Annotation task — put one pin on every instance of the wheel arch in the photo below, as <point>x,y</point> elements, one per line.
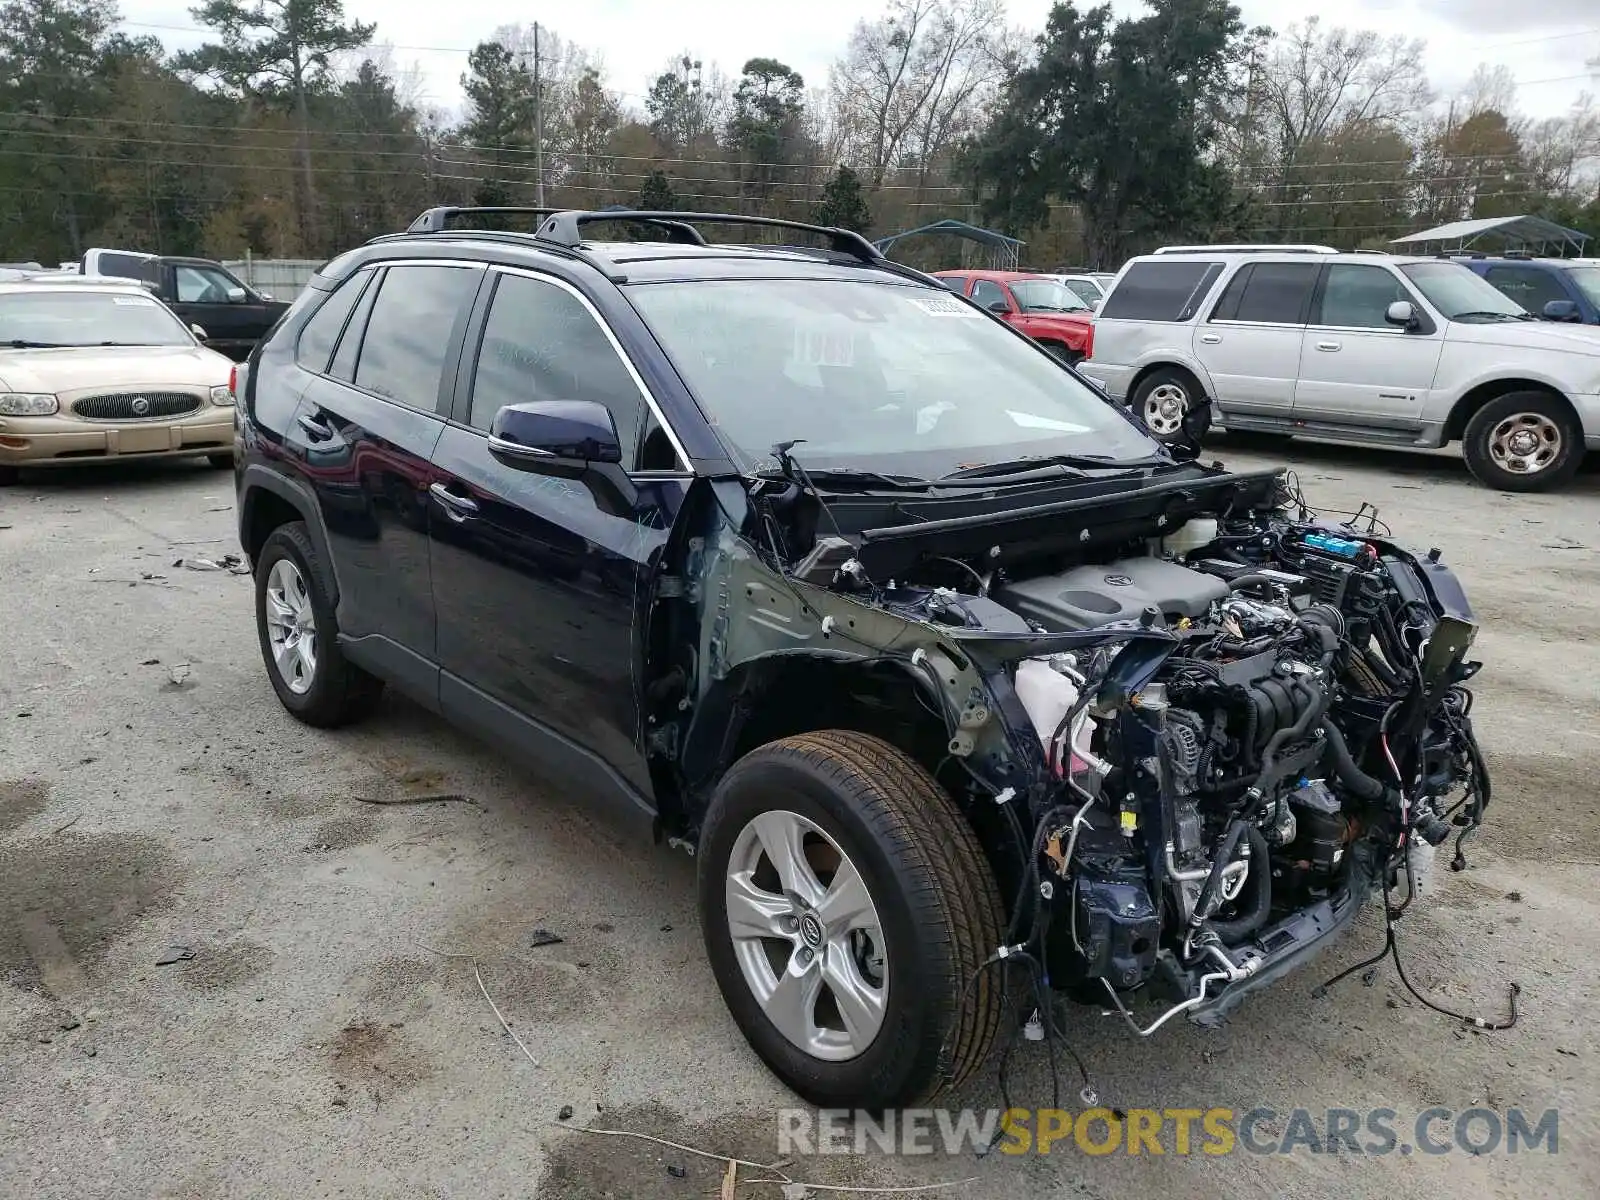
<point>1471,401</point>
<point>1182,368</point>
<point>267,501</point>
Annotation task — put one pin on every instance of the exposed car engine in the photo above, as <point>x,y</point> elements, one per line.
<point>1261,728</point>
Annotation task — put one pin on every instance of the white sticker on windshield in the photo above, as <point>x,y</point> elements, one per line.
<point>134,301</point>
<point>1030,421</point>
<point>944,306</point>
<point>825,347</point>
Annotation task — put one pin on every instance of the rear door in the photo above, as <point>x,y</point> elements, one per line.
<point>538,580</point>
<point>1360,375</point>
<point>366,428</point>
<point>1250,342</point>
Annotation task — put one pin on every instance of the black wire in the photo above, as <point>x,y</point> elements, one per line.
<point>1391,949</point>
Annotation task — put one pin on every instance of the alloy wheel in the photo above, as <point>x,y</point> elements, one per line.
<point>806,935</point>
<point>291,627</point>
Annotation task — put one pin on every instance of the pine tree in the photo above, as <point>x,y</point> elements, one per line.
<point>656,195</point>
<point>842,203</point>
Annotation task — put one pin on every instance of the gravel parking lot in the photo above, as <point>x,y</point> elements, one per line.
<point>153,794</point>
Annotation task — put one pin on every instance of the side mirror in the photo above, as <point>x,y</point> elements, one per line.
<point>237,295</point>
<point>1562,310</point>
<point>1402,314</point>
<point>555,437</point>
<point>198,332</point>
<point>998,306</point>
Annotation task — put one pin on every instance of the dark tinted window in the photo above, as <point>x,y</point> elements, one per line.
<point>127,266</point>
<point>319,334</point>
<point>408,332</point>
<point>987,291</point>
<point>1358,297</point>
<point>1269,292</point>
<point>1528,286</point>
<point>1160,291</point>
<point>540,343</point>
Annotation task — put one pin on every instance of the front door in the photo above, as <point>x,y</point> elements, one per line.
<point>1250,342</point>
<point>211,298</point>
<point>1360,375</point>
<point>365,429</point>
<point>540,582</point>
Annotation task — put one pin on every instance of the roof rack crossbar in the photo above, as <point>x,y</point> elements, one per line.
<point>566,228</point>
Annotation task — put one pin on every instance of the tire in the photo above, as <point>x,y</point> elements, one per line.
<point>1523,442</point>
<point>1172,406</point>
<point>291,584</point>
<point>222,462</point>
<point>931,897</point>
<point>10,476</point>
<point>1062,353</point>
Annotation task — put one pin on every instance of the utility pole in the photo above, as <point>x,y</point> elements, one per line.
<point>538,123</point>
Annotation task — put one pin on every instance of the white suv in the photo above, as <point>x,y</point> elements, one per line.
<point>1369,348</point>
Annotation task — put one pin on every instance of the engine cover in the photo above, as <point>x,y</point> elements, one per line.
<point>1089,596</point>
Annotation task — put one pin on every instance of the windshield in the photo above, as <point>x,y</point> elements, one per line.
<point>1588,282</point>
<point>873,376</point>
<point>1460,294</point>
<point>1046,295</point>
<point>60,317</point>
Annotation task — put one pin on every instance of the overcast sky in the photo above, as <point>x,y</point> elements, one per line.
<point>1544,43</point>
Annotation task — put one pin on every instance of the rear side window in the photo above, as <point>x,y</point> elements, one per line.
<point>319,334</point>
<point>409,330</point>
<point>127,266</point>
<point>1272,293</point>
<point>1161,291</point>
<point>1528,286</point>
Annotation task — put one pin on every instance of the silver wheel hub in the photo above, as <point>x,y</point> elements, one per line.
<point>1165,408</point>
<point>1525,443</point>
<point>806,936</point>
<point>291,627</point>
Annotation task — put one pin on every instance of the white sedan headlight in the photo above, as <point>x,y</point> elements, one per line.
<point>222,394</point>
<point>27,404</point>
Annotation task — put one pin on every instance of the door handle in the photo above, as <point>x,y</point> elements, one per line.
<point>1211,339</point>
<point>315,426</point>
<point>1328,346</point>
<point>458,508</point>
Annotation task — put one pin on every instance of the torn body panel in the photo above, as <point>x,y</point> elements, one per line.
<point>1182,803</point>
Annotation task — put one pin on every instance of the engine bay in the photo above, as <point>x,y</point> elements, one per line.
<point>1264,721</point>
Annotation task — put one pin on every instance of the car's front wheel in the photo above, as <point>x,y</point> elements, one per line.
<point>848,911</point>
<point>1523,442</point>
<point>299,634</point>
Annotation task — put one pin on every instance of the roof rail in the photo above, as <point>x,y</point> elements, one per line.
<point>566,228</point>
<point>437,220</point>
<point>1248,249</point>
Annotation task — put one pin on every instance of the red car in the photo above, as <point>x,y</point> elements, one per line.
<point>1051,313</point>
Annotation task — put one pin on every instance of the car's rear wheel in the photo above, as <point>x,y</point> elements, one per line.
<point>299,634</point>
<point>1523,442</point>
<point>847,912</point>
<point>1172,406</point>
<point>10,476</point>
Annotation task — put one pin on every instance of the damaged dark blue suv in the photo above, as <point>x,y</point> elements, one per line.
<point>960,687</point>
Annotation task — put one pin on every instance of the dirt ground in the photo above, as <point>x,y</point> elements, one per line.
<point>154,795</point>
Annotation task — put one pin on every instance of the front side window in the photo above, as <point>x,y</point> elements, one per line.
<point>1046,296</point>
<point>407,338</point>
<point>202,285</point>
<point>541,343</point>
<point>80,317</point>
<point>1358,296</point>
<point>1587,281</point>
<point>873,376</point>
<point>1528,286</point>
<point>1086,290</point>
<point>986,293</point>
<point>1461,294</point>
<point>1161,291</point>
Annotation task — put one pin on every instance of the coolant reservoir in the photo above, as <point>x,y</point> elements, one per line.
<point>1048,696</point>
<point>1197,532</point>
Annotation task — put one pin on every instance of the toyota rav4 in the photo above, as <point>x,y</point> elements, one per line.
<point>959,686</point>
